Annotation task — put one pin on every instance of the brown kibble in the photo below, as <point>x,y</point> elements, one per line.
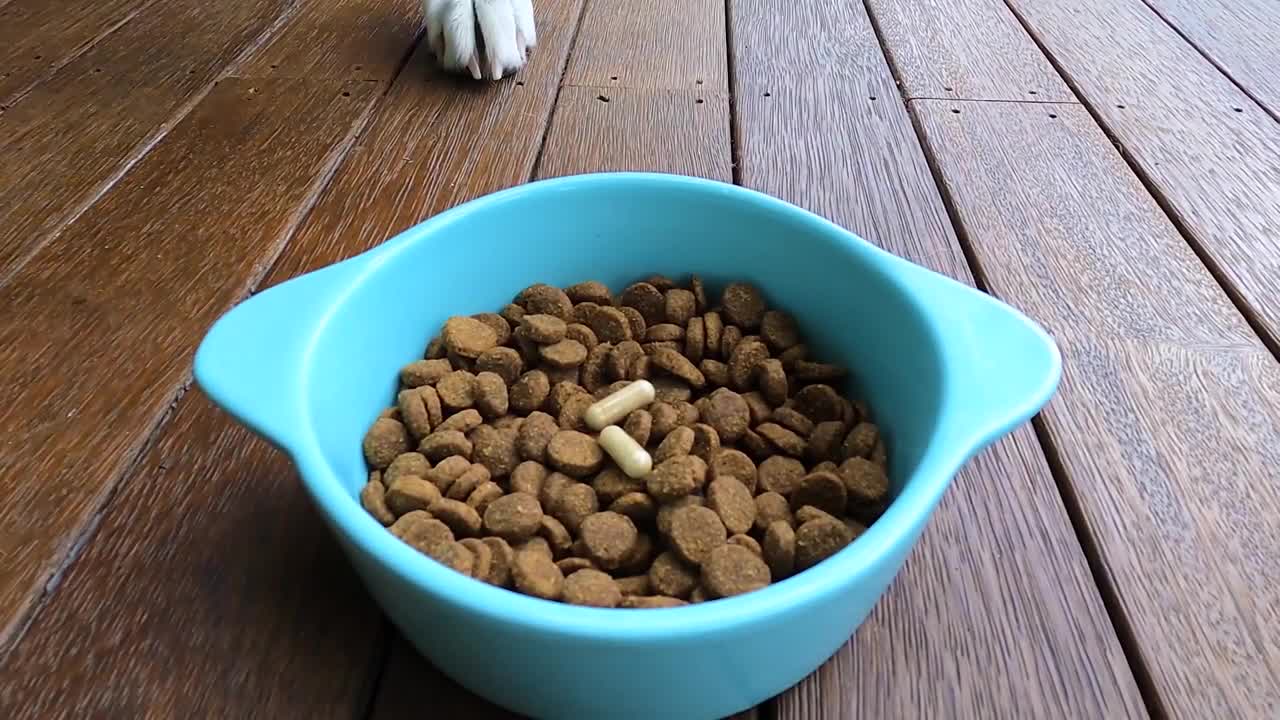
<point>861,440</point>
<point>780,549</point>
<point>747,542</point>
<point>677,442</point>
<point>695,532</point>
<point>824,441</point>
<point>609,538</point>
<point>744,360</point>
<point>385,440</point>
<point>647,300</point>
<point>665,419</point>
<point>582,334</point>
<point>535,574</point>
<point>772,507</point>
<point>468,337</point>
<point>431,400</point>
<point>706,441</point>
<point>513,517</point>
<point>822,490</point>
<point>618,363</point>
<point>457,390</point>
<point>756,446</point>
<point>528,477</point>
<point>663,518</point>
<point>636,505</point>
<point>793,355</point>
<point>443,443</point>
<point>864,481</point>
<point>552,486</point>
<point>716,372</point>
<point>610,325</point>
<point>495,449</point>
<point>463,421</point>
<point>561,393</point>
<point>728,413</point>
<point>482,558</point>
<point>635,320</point>
<point>664,332</point>
<point>637,602</point>
<point>564,354</point>
<point>676,477</point>
<point>671,390</point>
<point>410,463</point>
<point>459,558</point>
<point>733,570</point>
<point>808,372</point>
<point>661,282</point>
<point>639,425</point>
<point>792,420</point>
<point>491,395</point>
<point>592,588</point>
<point>435,349</point>
<point>447,471</point>
<point>733,464</point>
<point>424,372</point>
<point>590,291</point>
<point>781,474</point>
<point>409,493</point>
<point>699,290</point>
<point>640,557</point>
<point>678,366</point>
<point>423,533</point>
<point>612,484</point>
<point>535,434</point>
<point>641,368</point>
<point>669,575</point>
<point>695,340</point>
<point>544,299</point>
<point>688,412</point>
<point>732,501</point>
<point>575,454</point>
<point>573,564</point>
<point>680,306</point>
<point>513,314</point>
<point>713,326</point>
<point>779,330</point>
<point>570,375</point>
<point>809,512</point>
<point>502,558</point>
<point>535,544</point>
<point>413,413</point>
<point>544,329</point>
<point>556,535</point>
<point>772,379</point>
<point>818,540</point>
<point>483,496</point>
<point>820,403</point>
<point>743,305</point>
<point>635,585</point>
<point>583,311</point>
<point>574,504</point>
<point>461,518</point>
<point>826,466</point>
<point>530,391</point>
<point>594,367</point>
<point>496,322</point>
<point>782,438</point>
<point>373,497</point>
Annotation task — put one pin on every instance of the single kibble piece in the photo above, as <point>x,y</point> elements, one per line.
<point>459,558</point>
<point>443,443</point>
<point>639,426</point>
<point>575,454</point>
<point>635,320</point>
<point>573,564</point>
<point>680,306</point>
<point>713,326</point>
<point>732,501</point>
<point>424,372</point>
<point>822,490</point>
<point>619,404</point>
<point>423,533</point>
<point>530,392</point>
<point>483,496</point>
<point>491,395</point>
<point>819,403</point>
<point>779,330</point>
<point>463,421</point>
<point>482,558</point>
<point>744,361</point>
<point>747,542</point>
<point>782,438</point>
<point>556,535</point>
<point>513,517</point>
<point>608,537</point>
<point>468,337</point>
<point>502,557</point>
<point>534,436</point>
<point>727,412</point>
<point>818,540</point>
<point>495,449</point>
<point>733,570</point>
<point>864,481</point>
<point>573,412</point>
<point>635,585</point>
<point>528,477</point>
<point>503,361</point>
<point>461,518</point>
<point>663,519</point>
<point>743,305</point>
<point>552,486</point>
<point>544,299</point>
<point>618,363</point>
<point>583,335</point>
<point>824,441</point>
<point>636,505</point>
<point>808,372</point>
<point>772,379</point>
<point>564,354</point>
<point>826,466</point>
<point>535,574</point>
<point>665,419</point>
<point>706,441</point>
<point>410,463</point>
<point>695,532</point>
<point>457,390</point>
<point>640,557</point>
<point>861,440</point>
<point>665,332</point>
<point>779,548</point>
<point>792,420</point>
<point>756,446</point>
<point>593,368</point>
<point>678,442</point>
<point>610,325</point>
<point>611,483</point>
<point>699,290</point>
<point>646,299</point>
<point>695,340</point>
<point>671,390</point>
<point>809,512</point>
<point>735,464</point>
<point>770,508</point>
<point>626,452</point>
<point>688,412</point>
<point>373,498</point>
<point>544,329</point>
<point>435,349</point>
<point>669,575</point>
<point>498,324</point>
<point>409,493</point>
<point>413,412</point>
<point>536,544</point>
<point>386,440</point>
<point>675,478</point>
<point>590,291</point>
<point>678,366</point>
<point>592,588</point>
<point>781,474</point>
<point>574,504</point>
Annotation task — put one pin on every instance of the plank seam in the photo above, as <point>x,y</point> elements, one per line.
<point>1067,103</point>
<point>735,140</point>
<point>1106,590</point>
<point>560,86</point>
<point>1272,343</point>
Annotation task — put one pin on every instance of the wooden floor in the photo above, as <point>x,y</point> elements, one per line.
<point>1112,168</point>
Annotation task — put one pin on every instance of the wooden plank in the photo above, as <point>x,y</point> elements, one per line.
<point>597,130</point>
<point>1167,425</point>
<point>651,44</point>
<point>1197,139</point>
<point>1239,36</point>
<point>970,49</point>
<point>71,135</point>
<point>341,40</point>
<point>39,36</point>
<point>123,295</point>
<point>995,613</point>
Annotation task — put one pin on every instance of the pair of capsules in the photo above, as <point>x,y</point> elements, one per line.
<point>630,455</point>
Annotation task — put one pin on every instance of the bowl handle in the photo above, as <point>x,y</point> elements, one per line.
<point>1002,367</point>
<point>252,361</point>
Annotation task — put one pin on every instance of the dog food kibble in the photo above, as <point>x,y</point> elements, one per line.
<point>652,448</point>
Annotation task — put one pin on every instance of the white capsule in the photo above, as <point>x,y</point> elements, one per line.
<point>630,456</point>
<point>618,405</point>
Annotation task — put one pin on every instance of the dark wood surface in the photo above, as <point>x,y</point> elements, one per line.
<point>1186,529</point>
<point>160,561</point>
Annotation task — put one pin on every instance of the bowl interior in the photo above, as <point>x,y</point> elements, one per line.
<point>841,291</point>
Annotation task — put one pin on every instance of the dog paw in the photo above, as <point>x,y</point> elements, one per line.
<point>485,38</point>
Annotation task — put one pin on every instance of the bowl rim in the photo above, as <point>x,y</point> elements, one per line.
<point>892,535</point>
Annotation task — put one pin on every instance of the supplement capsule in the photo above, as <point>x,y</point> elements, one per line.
<point>633,459</point>
<point>618,405</point>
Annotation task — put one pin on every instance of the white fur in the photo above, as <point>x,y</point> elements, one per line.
<point>506,26</point>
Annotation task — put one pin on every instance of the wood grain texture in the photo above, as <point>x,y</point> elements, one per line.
<point>970,49</point>
<point>1175,117</point>
<point>1167,423</point>
<point>651,44</point>
<point>68,137</point>
<point>995,613</point>
<point>39,36</point>
<point>1239,36</point>
<point>597,130</point>
<point>340,39</point>
<point>211,589</point>
<point>122,296</point>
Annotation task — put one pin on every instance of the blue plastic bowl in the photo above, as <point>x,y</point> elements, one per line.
<point>309,363</point>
